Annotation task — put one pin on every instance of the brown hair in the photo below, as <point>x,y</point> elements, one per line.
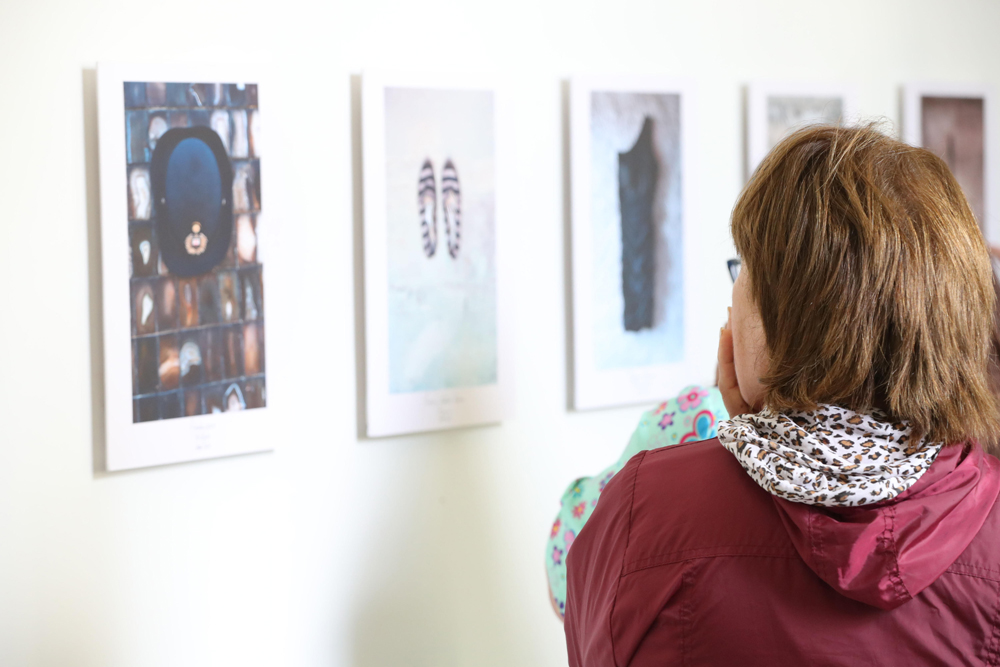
<point>873,281</point>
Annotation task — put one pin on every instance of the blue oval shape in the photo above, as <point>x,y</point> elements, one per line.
<point>193,186</point>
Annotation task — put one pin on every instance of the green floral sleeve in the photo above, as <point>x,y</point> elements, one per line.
<point>690,417</point>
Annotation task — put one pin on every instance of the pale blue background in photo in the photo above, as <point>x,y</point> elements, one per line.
<point>442,311</point>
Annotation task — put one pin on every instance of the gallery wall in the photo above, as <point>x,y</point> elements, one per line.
<point>337,550</point>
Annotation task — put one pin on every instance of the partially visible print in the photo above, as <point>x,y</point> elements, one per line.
<point>193,187</point>
<point>952,128</point>
<point>787,113</point>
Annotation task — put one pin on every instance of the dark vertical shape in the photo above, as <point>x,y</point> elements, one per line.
<point>638,172</point>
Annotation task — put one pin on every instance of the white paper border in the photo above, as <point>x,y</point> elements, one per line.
<point>594,388</point>
<point>912,120</point>
<point>394,414</point>
<point>759,91</point>
<point>138,445</point>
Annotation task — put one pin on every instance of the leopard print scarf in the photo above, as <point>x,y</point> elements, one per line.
<point>830,456</point>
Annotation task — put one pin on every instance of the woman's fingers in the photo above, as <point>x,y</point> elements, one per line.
<point>729,386</point>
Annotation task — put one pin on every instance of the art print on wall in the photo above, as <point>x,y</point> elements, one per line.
<point>635,284</point>
<point>182,216</point>
<point>775,110</point>
<point>952,122</point>
<point>433,307</point>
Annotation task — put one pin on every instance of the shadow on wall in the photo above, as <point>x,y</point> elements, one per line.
<point>357,200</point>
<point>429,591</point>
<point>92,171</point>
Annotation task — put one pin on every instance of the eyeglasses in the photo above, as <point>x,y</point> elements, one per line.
<point>734,268</point>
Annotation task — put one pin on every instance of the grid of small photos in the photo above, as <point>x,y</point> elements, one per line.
<point>198,342</point>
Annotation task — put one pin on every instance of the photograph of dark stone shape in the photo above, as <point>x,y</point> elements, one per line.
<point>637,229</point>
<point>638,171</point>
<point>189,324</point>
<point>952,128</point>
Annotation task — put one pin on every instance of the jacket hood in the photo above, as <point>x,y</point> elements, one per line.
<point>883,555</point>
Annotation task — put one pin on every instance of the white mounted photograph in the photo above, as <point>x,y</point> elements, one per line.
<point>436,320</point>
<point>953,122</point>
<point>638,279</point>
<point>183,277</point>
<point>776,109</point>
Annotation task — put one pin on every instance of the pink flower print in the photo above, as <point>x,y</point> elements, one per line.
<point>578,510</point>
<point>593,503</point>
<point>660,408</point>
<point>569,536</point>
<point>557,555</point>
<point>555,527</point>
<point>604,482</point>
<point>691,398</point>
<point>668,420</point>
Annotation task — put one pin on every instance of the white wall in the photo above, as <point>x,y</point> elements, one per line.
<point>423,550</point>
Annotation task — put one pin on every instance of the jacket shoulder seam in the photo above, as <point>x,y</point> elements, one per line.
<point>712,551</point>
<point>973,570</point>
<point>735,553</point>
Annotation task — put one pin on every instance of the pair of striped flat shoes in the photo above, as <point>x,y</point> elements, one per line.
<point>451,207</point>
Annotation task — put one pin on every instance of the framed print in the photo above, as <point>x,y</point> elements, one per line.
<point>182,211</point>
<point>436,315</point>
<point>952,121</point>
<point>638,333</point>
<point>775,110</point>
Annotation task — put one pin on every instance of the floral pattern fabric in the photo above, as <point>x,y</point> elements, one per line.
<point>690,417</point>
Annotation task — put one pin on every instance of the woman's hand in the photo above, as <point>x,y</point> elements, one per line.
<point>729,386</point>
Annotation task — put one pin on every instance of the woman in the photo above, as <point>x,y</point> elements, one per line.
<point>845,514</point>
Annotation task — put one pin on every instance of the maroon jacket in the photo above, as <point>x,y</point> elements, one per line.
<point>686,561</point>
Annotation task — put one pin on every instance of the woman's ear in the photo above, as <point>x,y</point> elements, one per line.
<point>750,355</point>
